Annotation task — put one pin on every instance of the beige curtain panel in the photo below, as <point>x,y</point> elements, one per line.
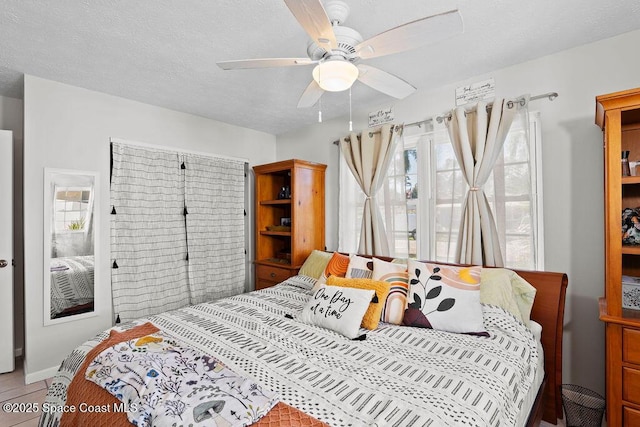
<point>368,156</point>
<point>477,137</point>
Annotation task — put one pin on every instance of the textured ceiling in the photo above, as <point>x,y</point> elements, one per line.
<point>164,52</point>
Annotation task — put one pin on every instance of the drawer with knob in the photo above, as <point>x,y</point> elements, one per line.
<point>268,276</point>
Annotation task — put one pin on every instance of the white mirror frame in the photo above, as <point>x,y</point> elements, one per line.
<point>49,173</point>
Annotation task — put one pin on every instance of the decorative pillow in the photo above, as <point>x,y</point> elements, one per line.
<point>360,267</point>
<point>337,266</point>
<point>338,309</point>
<point>446,298</point>
<point>396,275</point>
<point>495,289</point>
<point>524,294</point>
<point>372,316</point>
<point>315,264</point>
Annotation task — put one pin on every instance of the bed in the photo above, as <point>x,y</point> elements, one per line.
<point>72,281</point>
<point>379,380</point>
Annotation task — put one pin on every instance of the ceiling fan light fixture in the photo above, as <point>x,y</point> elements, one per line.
<point>335,76</point>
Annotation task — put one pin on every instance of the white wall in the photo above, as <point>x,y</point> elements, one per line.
<point>11,119</point>
<point>69,127</point>
<point>572,171</point>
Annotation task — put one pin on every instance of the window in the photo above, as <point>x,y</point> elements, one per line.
<point>434,190</point>
<point>71,207</point>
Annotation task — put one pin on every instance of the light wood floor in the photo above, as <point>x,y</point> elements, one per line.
<point>14,390</point>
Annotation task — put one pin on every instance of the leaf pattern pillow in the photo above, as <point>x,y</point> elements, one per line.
<point>445,298</point>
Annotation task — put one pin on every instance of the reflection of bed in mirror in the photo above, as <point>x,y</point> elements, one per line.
<point>70,239</point>
<point>71,285</point>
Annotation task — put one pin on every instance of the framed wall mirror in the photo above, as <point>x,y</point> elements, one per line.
<point>71,218</point>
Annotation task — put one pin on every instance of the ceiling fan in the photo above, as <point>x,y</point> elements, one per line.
<point>337,50</point>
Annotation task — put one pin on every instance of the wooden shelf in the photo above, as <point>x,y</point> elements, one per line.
<point>630,180</point>
<point>276,233</point>
<point>631,250</point>
<point>282,201</point>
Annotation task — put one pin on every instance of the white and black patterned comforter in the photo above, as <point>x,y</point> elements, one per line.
<point>398,376</point>
<point>71,282</point>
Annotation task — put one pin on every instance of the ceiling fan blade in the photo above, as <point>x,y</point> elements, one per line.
<point>263,63</point>
<point>311,95</point>
<point>313,18</point>
<point>412,35</point>
<point>384,82</point>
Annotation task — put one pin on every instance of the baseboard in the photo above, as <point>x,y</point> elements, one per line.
<point>17,352</point>
<point>40,375</point>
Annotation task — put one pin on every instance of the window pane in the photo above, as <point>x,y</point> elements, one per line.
<point>516,148</point>
<point>519,252</point>
<point>445,247</point>
<point>448,217</point>
<point>445,157</point>
<point>518,217</point>
<point>516,180</point>
<point>411,161</point>
<point>450,184</point>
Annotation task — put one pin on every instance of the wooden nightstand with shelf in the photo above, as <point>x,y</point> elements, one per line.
<point>618,115</point>
<point>280,248</point>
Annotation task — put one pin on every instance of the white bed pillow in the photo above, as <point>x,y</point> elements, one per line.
<point>337,308</point>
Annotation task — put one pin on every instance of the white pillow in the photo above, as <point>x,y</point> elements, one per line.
<point>337,308</point>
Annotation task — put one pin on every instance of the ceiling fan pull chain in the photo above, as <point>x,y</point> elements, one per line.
<point>320,103</point>
<point>350,121</point>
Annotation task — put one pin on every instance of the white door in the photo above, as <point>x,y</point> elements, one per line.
<point>6,251</point>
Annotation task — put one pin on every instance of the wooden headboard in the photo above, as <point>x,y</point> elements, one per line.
<point>548,311</point>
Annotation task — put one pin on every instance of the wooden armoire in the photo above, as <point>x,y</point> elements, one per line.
<point>290,219</point>
<point>618,115</point>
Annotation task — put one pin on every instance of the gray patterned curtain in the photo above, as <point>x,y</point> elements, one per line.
<point>214,195</point>
<point>177,230</point>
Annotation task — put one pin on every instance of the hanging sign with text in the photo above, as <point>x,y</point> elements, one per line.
<point>380,117</point>
<point>485,89</point>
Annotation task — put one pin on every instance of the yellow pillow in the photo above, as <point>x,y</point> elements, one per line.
<point>372,316</point>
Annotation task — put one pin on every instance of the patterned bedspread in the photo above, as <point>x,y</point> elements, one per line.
<point>71,282</point>
<point>398,376</point>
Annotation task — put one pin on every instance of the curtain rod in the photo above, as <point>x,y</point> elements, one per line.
<point>550,95</point>
<point>373,132</point>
